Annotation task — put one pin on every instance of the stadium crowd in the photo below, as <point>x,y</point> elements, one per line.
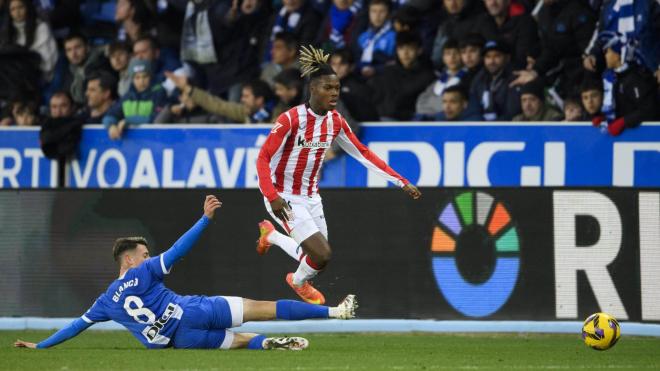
<point>65,63</point>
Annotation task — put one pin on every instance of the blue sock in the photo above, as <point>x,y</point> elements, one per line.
<point>255,342</point>
<point>295,310</point>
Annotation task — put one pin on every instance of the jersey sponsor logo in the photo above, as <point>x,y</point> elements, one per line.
<point>308,144</point>
<point>120,290</point>
<point>152,332</point>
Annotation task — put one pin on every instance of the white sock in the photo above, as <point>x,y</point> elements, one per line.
<point>333,312</point>
<point>304,273</point>
<point>286,243</point>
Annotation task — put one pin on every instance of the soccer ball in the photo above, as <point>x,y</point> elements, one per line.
<point>600,331</point>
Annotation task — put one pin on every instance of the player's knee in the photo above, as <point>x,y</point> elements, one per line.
<point>324,257</point>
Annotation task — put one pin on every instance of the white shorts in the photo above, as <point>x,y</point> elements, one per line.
<point>307,219</point>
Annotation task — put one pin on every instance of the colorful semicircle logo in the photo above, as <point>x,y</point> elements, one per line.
<point>465,216</point>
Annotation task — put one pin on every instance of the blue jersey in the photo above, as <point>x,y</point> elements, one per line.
<point>140,302</point>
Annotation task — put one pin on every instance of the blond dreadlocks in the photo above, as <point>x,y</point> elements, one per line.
<point>314,62</point>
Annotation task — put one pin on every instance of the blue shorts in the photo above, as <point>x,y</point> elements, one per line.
<point>205,321</point>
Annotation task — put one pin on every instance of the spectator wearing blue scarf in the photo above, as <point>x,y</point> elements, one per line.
<point>338,25</point>
<point>429,103</point>
<point>637,20</point>
<point>377,45</point>
<point>629,90</point>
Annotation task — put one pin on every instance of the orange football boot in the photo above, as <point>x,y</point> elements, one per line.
<point>307,292</point>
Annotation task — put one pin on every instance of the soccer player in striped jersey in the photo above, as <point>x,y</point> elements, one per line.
<point>159,318</point>
<point>288,167</point>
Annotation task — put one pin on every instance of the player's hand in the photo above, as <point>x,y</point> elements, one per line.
<point>211,204</point>
<point>281,209</point>
<point>412,191</point>
<point>24,344</point>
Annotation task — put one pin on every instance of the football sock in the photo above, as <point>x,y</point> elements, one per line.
<point>256,343</point>
<point>297,310</point>
<point>286,243</point>
<point>305,272</point>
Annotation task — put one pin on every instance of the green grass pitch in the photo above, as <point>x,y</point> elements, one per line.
<point>116,350</point>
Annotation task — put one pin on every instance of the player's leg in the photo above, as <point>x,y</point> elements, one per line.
<point>316,247</point>
<point>226,339</point>
<point>317,252</point>
<point>293,310</point>
<point>269,236</point>
<point>261,342</point>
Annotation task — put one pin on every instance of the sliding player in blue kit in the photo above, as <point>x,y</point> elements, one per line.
<point>159,318</point>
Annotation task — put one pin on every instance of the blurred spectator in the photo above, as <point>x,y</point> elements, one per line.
<point>200,41</point>
<point>284,54</point>
<point>510,24</point>
<point>19,72</point>
<point>62,15</point>
<point>459,21</point>
<point>223,42</point>
<point>24,28</point>
<point>338,25</point>
<point>299,18</point>
<point>429,103</point>
<point>629,90</point>
<point>533,105</point>
<point>61,105</point>
<point>23,111</point>
<point>144,100</point>
<point>146,48</point>
<point>377,45</point>
<point>60,132</point>
<point>565,27</point>
<point>354,94</point>
<point>82,60</point>
<point>490,95</point>
<point>591,94</point>
<point>406,19</point>
<point>255,107</point>
<point>397,87</point>
<point>119,53</point>
<point>289,89</point>
<point>639,22</point>
<point>454,105</point>
<point>573,110</point>
<point>185,112</point>
<point>245,28</point>
<point>135,18</point>
<point>100,94</point>
<point>471,55</point>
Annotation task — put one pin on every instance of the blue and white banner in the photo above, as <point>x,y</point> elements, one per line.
<point>22,164</point>
<point>170,156</point>
<point>512,154</point>
<point>224,156</point>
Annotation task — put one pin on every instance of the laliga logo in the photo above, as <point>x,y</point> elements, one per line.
<point>475,254</point>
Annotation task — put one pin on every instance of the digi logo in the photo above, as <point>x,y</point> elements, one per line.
<point>475,254</point>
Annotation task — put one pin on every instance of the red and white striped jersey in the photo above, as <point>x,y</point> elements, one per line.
<point>291,158</point>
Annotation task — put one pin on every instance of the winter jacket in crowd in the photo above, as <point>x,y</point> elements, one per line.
<point>396,89</point>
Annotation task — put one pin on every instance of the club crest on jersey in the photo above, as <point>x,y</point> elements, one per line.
<point>305,144</point>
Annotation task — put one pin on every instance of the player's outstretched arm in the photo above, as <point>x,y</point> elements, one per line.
<point>66,333</point>
<point>352,145</point>
<point>188,240</point>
